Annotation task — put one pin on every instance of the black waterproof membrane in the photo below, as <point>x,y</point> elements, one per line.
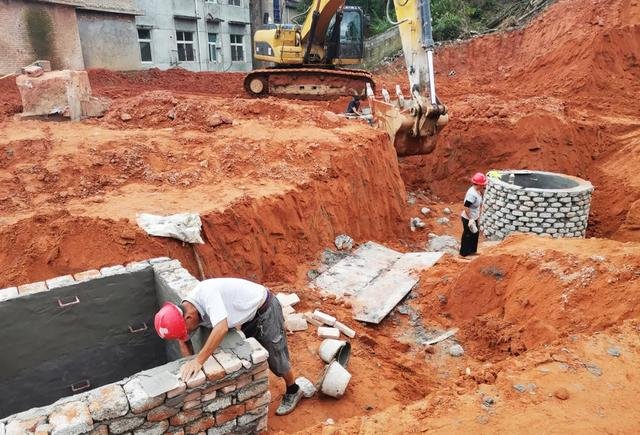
<point>72,339</point>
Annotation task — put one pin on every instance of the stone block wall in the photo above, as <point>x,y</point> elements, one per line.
<point>553,212</point>
<point>229,395</point>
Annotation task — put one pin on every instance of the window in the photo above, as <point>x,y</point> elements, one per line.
<point>212,47</point>
<point>237,48</point>
<point>235,2</point>
<point>185,46</point>
<point>144,39</point>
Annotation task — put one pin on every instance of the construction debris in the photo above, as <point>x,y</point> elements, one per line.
<point>288,299</point>
<point>344,242</point>
<point>327,332</point>
<point>324,318</point>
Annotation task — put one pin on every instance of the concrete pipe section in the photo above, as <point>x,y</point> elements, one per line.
<point>543,203</point>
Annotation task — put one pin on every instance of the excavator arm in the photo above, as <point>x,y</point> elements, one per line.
<point>413,123</point>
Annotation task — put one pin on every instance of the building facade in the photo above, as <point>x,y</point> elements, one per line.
<point>198,35</point>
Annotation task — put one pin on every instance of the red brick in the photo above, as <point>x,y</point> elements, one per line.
<point>257,402</point>
<point>161,413</point>
<point>259,368</point>
<point>243,382</point>
<point>184,417</point>
<point>228,414</point>
<point>193,396</point>
<point>203,424</point>
<point>191,405</point>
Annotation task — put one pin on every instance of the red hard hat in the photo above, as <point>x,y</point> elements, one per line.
<point>479,179</point>
<point>170,324</point>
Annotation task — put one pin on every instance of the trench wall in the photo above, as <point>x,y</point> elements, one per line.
<point>556,213</point>
<point>229,395</point>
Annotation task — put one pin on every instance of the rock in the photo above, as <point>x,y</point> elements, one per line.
<point>456,350</point>
<point>411,199</point>
<point>126,117</point>
<point>614,351</point>
<point>561,393</point>
<point>443,221</point>
<point>171,114</point>
<point>443,244</point>
<point>307,387</point>
<point>593,369</point>
<point>329,422</point>
<point>425,210</point>
<point>446,211</point>
<point>520,388</point>
<point>33,71</point>
<point>344,242</point>
<point>71,418</point>
<point>488,401</point>
<point>442,299</point>
<point>416,222</point>
<point>312,274</point>
<point>204,163</point>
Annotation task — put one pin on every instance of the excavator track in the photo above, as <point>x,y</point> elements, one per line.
<point>307,83</point>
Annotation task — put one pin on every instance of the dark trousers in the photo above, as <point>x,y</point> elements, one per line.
<point>469,242</point>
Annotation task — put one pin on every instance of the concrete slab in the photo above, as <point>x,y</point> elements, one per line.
<point>157,382</point>
<point>377,277</point>
<point>356,271</point>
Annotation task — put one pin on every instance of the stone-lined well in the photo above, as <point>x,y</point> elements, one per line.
<point>229,395</point>
<point>544,203</point>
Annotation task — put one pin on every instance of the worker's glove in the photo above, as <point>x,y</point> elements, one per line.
<point>473,227</point>
<point>190,369</point>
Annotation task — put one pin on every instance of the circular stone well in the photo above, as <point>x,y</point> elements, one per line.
<point>545,203</point>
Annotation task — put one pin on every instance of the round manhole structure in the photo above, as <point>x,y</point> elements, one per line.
<point>544,203</point>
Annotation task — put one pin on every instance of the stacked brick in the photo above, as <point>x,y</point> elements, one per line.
<point>229,395</point>
<point>553,213</point>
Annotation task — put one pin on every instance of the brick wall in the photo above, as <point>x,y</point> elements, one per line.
<point>230,395</point>
<point>16,50</point>
<point>554,213</point>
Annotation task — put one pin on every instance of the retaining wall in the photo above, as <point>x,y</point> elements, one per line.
<point>229,395</point>
<point>378,47</point>
<point>561,210</point>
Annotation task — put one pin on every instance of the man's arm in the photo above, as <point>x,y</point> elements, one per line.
<point>191,367</point>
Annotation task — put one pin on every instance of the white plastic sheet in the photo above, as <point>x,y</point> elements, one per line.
<point>182,226</point>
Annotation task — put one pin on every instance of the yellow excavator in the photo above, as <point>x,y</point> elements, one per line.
<point>312,59</point>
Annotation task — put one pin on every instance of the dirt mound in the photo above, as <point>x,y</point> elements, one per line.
<point>558,95</point>
<point>10,103</point>
<point>530,291</point>
<point>58,244</point>
<point>113,83</point>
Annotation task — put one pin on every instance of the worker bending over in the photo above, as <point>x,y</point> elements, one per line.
<point>222,304</point>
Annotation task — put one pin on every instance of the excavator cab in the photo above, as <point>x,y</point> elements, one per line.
<point>349,40</point>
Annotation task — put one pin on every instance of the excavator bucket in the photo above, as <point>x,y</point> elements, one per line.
<point>411,133</point>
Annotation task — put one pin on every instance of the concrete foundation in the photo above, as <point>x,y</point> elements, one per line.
<point>544,203</point>
<point>97,328</point>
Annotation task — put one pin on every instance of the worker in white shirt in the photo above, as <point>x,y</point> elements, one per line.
<point>471,215</point>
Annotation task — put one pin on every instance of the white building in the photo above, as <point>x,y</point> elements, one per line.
<point>198,35</point>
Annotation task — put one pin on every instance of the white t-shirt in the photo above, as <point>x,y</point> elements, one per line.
<point>475,198</point>
<point>234,299</point>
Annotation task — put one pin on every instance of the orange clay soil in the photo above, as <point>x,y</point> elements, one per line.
<point>275,181</point>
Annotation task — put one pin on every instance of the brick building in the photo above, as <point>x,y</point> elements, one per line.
<point>72,34</point>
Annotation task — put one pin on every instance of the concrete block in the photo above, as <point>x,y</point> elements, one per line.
<point>228,361</point>
<point>137,266</point>
<point>60,281</point>
<point>288,299</point>
<point>325,332</point>
<point>309,318</point>
<point>197,380</point>
<point>8,293</point>
<point>219,403</point>
<point>71,418</point>
<point>139,400</point>
<point>345,329</point>
<point>158,260</point>
<point>177,391</point>
<point>167,266</point>
<point>32,71</point>
<point>213,369</point>
<point>125,424</point>
<point>258,356</point>
<point>324,318</point>
<point>296,322</point>
<point>287,309</point>
<point>107,402</point>
<point>87,275</point>
<point>113,270</point>
<point>34,287</point>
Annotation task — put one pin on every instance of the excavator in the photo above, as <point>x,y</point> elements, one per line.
<point>315,59</point>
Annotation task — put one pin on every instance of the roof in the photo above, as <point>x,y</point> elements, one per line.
<point>113,6</point>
